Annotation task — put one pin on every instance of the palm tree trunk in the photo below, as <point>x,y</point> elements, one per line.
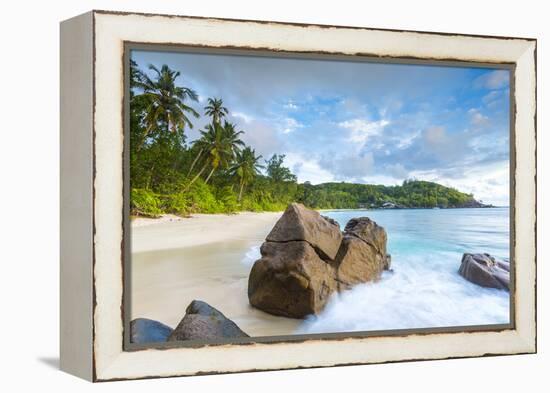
<point>241,191</point>
<point>148,184</point>
<point>143,138</point>
<point>209,175</point>
<point>194,163</point>
<point>141,142</point>
<point>196,176</point>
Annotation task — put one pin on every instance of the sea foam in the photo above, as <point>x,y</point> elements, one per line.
<point>424,289</point>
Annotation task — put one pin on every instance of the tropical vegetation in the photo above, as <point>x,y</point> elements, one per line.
<point>218,172</point>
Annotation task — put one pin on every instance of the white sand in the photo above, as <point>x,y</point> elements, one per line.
<point>170,232</point>
<point>176,260</point>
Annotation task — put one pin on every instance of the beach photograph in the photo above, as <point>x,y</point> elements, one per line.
<point>290,196</point>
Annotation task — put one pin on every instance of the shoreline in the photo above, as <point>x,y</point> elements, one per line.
<point>141,221</point>
<point>171,232</point>
<point>205,257</point>
<point>208,257</point>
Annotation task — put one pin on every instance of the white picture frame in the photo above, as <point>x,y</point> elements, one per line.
<point>92,194</point>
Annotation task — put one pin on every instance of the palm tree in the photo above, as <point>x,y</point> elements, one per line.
<point>216,110</point>
<point>246,168</point>
<point>221,144</point>
<point>136,76</point>
<point>165,102</point>
<point>227,144</point>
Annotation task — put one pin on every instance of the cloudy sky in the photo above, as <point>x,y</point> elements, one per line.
<point>361,122</point>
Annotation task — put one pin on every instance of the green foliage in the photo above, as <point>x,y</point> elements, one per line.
<point>215,110</point>
<point>245,168</point>
<point>176,203</point>
<point>277,172</point>
<point>228,199</point>
<point>164,101</point>
<point>412,194</point>
<point>144,203</point>
<point>201,199</point>
<point>218,173</point>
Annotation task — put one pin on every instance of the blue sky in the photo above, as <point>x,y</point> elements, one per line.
<point>361,122</point>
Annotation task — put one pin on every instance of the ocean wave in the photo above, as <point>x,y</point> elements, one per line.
<point>418,294</point>
<point>251,256</point>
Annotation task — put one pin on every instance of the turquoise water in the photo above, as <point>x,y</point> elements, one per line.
<point>424,290</point>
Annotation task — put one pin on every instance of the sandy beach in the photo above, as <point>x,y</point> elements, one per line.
<point>204,257</point>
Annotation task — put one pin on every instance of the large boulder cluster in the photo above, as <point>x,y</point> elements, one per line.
<point>306,258</point>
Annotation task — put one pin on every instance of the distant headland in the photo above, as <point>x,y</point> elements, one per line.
<point>411,194</point>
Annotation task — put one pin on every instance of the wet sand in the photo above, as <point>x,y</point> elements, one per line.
<point>177,261</point>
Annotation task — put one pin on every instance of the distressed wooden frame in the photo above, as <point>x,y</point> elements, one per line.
<point>92,197</point>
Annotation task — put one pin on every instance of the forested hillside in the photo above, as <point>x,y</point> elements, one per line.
<point>413,193</point>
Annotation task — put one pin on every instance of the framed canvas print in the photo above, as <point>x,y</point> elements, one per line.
<point>246,195</point>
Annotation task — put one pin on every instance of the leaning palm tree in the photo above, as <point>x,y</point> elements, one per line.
<point>246,168</point>
<point>227,144</point>
<point>205,143</point>
<point>216,110</point>
<point>165,102</point>
<point>220,144</point>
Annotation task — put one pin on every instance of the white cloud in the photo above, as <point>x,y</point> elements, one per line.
<point>477,118</point>
<point>349,166</point>
<point>495,98</point>
<point>407,140</point>
<point>361,129</point>
<point>290,125</point>
<point>397,171</point>
<point>353,107</point>
<point>444,146</point>
<point>290,105</point>
<point>384,179</point>
<point>243,116</point>
<point>436,136</point>
<point>490,97</point>
<point>263,137</point>
<point>307,169</point>
<point>355,166</point>
<point>493,80</point>
<point>391,106</point>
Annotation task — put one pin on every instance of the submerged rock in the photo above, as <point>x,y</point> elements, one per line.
<point>204,322</point>
<point>485,270</point>
<point>290,280</point>
<point>300,223</point>
<point>306,258</point>
<point>144,331</point>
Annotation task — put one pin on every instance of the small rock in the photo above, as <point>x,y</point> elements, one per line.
<point>144,331</point>
<point>485,270</point>
<point>204,322</point>
<point>331,220</point>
